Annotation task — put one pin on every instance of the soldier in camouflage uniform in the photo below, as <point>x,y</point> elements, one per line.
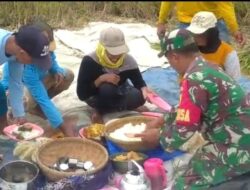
<point>211,103</point>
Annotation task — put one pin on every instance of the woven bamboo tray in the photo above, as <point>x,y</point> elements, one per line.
<point>77,148</point>
<point>127,145</point>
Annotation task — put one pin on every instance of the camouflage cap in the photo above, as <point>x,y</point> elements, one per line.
<point>176,40</point>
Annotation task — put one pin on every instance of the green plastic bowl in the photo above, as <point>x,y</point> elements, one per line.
<point>123,166</point>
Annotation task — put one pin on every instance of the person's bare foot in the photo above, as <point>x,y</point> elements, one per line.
<point>96,117</point>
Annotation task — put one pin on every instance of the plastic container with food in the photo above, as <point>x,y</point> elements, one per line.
<point>93,132</point>
<point>121,161</point>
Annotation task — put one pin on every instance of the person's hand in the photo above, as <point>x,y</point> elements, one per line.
<point>161,30</point>
<point>68,130</point>
<point>155,123</point>
<point>150,137</point>
<point>19,120</point>
<point>108,77</point>
<point>149,92</point>
<point>240,38</point>
<point>145,91</point>
<point>59,77</point>
<point>68,127</point>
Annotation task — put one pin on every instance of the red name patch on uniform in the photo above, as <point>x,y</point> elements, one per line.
<point>187,113</point>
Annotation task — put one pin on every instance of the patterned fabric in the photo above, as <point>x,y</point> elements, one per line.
<point>224,122</point>
<point>176,40</point>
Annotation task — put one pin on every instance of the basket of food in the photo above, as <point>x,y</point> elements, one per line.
<point>121,161</point>
<point>70,156</point>
<point>119,132</point>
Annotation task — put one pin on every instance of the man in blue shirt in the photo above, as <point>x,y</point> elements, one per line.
<point>25,46</point>
<point>43,85</point>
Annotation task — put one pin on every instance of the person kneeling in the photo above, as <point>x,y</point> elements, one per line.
<point>103,77</point>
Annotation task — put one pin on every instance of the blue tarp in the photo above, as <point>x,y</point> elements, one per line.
<point>165,83</point>
<point>158,152</point>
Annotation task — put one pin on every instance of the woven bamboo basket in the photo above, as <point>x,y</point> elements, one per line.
<point>127,145</point>
<point>71,147</point>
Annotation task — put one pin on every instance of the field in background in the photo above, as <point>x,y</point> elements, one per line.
<point>77,14</point>
<point>74,14</point>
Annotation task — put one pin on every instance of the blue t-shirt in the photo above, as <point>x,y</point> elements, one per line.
<point>32,78</point>
<point>15,76</point>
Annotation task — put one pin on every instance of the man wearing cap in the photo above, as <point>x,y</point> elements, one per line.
<point>224,12</point>
<point>42,85</point>
<point>211,104</point>
<point>103,77</point>
<point>26,46</point>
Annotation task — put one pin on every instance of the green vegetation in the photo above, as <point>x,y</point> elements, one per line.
<point>155,46</point>
<point>244,57</point>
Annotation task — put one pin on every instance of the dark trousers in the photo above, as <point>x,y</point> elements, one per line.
<point>3,101</point>
<point>111,98</point>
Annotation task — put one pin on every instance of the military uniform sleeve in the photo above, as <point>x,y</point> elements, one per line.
<point>193,102</point>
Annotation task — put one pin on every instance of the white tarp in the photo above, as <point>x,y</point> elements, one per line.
<point>138,37</point>
<point>73,45</point>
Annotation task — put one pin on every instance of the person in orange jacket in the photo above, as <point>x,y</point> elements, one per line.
<point>224,12</point>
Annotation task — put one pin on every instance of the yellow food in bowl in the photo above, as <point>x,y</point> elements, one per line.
<point>94,130</point>
<point>128,156</point>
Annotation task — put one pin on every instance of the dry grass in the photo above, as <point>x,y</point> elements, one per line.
<point>76,14</point>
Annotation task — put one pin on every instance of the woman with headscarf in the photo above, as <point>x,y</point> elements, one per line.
<point>203,27</point>
<point>103,77</point>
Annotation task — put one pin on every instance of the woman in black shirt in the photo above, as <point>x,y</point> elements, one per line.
<point>103,77</point>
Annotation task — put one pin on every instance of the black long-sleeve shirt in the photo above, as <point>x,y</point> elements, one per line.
<point>90,70</point>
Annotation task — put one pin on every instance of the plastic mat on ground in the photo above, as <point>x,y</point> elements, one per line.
<point>155,153</point>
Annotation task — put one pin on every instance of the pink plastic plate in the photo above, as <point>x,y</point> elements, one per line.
<point>81,133</point>
<point>152,114</point>
<point>8,131</point>
<point>159,102</point>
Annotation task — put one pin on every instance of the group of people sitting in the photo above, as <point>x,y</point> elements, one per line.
<point>211,101</point>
